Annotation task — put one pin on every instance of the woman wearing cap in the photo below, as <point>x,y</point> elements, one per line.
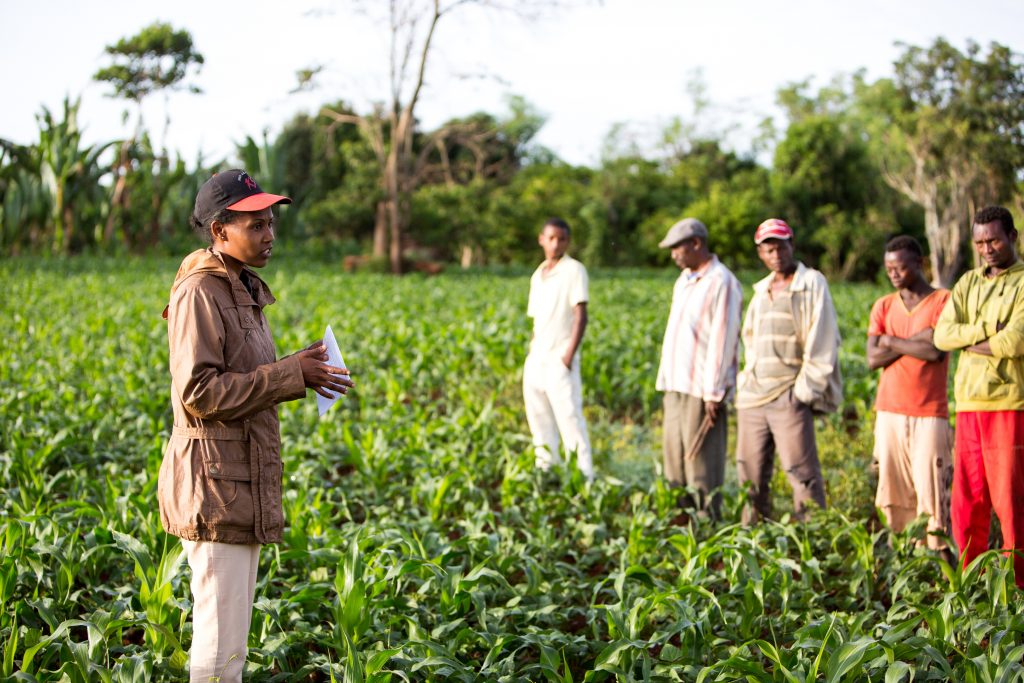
<point>220,480</point>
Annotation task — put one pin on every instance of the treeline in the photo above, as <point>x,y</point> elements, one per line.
<point>852,164</point>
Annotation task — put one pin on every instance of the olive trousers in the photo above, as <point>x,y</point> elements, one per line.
<point>706,471</point>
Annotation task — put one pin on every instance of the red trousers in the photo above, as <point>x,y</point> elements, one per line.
<point>988,473</point>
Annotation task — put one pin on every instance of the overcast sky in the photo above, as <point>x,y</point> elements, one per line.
<point>586,68</point>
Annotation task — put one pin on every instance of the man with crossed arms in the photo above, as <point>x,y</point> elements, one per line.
<point>913,441</point>
<point>984,319</point>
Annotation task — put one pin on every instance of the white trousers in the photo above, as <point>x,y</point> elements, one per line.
<point>553,395</point>
<point>223,587</point>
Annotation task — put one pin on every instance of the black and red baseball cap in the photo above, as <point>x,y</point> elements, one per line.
<point>235,190</point>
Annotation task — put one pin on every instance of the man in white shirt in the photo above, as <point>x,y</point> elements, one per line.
<point>698,364</point>
<point>552,387</point>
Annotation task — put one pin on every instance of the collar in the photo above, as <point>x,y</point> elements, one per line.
<point>1015,267</point>
<point>239,292</point>
<point>694,275</point>
<point>798,284</point>
<point>565,259</point>
<point>208,261</point>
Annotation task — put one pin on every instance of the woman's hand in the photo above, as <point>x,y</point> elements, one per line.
<point>319,376</point>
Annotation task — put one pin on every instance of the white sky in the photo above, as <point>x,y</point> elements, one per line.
<point>586,67</point>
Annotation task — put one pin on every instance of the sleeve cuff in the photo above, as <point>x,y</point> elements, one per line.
<point>715,397</point>
<point>288,376</point>
<point>801,393</point>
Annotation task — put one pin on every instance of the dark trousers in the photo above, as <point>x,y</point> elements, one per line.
<point>784,426</point>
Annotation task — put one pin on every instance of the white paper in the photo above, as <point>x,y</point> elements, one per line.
<point>333,358</point>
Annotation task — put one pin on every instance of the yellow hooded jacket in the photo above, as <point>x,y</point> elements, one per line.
<point>976,308</point>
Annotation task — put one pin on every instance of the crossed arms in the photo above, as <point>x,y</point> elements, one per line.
<point>992,332</point>
<point>885,349</point>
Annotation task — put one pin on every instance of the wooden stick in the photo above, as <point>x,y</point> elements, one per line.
<point>702,433</point>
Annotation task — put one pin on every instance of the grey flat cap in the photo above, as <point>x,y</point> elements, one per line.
<point>684,230</point>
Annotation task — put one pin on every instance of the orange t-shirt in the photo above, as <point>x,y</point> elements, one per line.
<point>911,386</point>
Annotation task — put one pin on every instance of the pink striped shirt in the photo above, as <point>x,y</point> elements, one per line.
<point>699,354</point>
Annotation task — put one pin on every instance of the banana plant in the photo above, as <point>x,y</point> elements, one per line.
<point>70,172</point>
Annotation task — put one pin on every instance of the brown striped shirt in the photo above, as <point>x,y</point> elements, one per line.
<point>779,353</point>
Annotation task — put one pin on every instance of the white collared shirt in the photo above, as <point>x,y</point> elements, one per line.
<point>553,296</point>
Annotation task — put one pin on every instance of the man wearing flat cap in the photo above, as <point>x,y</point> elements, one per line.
<point>698,365</point>
<point>791,372</point>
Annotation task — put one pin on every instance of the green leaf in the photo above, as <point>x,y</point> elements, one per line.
<point>379,659</point>
<point>611,657</point>
<point>10,648</point>
<point>772,653</point>
<point>896,672</point>
<point>847,658</point>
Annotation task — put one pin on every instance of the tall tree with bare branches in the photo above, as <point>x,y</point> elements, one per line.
<point>390,129</point>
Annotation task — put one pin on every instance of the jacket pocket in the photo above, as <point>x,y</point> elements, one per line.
<point>983,379</point>
<point>999,384</point>
<point>270,482</point>
<point>228,500</point>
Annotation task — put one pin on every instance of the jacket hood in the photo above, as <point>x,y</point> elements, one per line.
<point>199,261</point>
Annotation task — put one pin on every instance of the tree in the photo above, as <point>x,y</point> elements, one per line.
<point>952,137</point>
<point>637,197</point>
<point>390,129</point>
<point>48,191</point>
<point>480,146</point>
<point>327,170</point>
<point>469,159</point>
<point>826,184</point>
<point>626,191</point>
<point>732,207</point>
<point>24,209</point>
<point>826,178</point>
<point>69,171</point>
<point>517,211</point>
<point>156,59</point>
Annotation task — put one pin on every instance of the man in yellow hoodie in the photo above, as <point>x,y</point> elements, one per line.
<point>984,319</point>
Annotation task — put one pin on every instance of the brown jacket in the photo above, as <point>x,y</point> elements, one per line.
<point>221,474</point>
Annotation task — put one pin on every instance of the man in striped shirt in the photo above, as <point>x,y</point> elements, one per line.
<point>791,340</point>
<point>698,364</point>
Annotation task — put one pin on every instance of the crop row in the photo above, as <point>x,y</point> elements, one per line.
<point>421,544</point>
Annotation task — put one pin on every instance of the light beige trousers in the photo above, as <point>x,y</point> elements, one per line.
<point>915,471</point>
<point>223,587</point>
<point>553,395</point>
